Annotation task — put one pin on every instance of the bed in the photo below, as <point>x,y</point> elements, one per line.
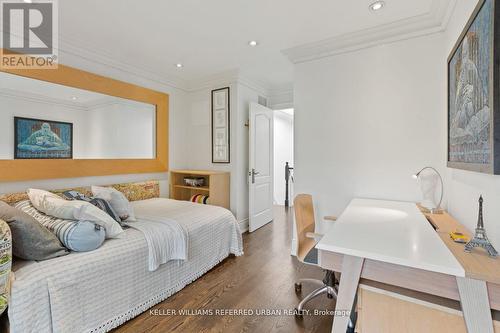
<point>100,290</point>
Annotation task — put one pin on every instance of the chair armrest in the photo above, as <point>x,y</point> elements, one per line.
<point>330,218</point>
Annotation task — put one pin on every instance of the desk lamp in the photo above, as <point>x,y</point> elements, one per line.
<point>428,193</point>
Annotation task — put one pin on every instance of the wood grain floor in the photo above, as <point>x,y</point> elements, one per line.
<point>261,279</point>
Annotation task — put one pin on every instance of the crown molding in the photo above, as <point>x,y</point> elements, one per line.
<point>258,86</point>
<point>281,97</point>
<point>434,21</point>
<point>35,98</point>
<point>86,106</point>
<point>226,78</point>
<point>209,82</point>
<point>115,101</point>
<point>77,48</point>
<point>69,46</point>
<point>83,51</point>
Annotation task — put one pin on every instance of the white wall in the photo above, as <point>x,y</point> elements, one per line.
<point>366,120</point>
<point>199,139</point>
<point>283,152</point>
<point>178,113</point>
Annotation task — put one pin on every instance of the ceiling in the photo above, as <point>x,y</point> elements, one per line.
<point>210,37</point>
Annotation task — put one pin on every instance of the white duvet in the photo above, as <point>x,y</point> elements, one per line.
<point>99,290</point>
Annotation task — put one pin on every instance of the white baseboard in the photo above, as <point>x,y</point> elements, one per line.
<point>243,225</point>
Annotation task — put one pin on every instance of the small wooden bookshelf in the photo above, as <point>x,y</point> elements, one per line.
<point>216,186</point>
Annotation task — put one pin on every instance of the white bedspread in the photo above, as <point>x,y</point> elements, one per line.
<point>99,290</point>
<point>167,239</point>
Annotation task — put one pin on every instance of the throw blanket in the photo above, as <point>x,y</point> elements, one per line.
<point>167,239</point>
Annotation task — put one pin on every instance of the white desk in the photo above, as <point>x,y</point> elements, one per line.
<point>392,242</point>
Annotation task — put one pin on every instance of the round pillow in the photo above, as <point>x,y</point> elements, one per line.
<point>84,236</point>
<point>5,264</point>
<point>79,236</point>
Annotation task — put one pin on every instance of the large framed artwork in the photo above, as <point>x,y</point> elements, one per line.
<point>220,126</point>
<point>473,94</point>
<point>42,139</point>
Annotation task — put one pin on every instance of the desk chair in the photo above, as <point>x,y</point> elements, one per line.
<point>307,253</point>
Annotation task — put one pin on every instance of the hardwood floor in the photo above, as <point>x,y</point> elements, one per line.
<point>261,279</point>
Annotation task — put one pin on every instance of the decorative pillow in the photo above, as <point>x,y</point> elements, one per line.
<point>79,236</point>
<point>98,202</point>
<point>38,196</point>
<point>77,210</point>
<point>118,201</point>
<point>139,191</point>
<point>5,264</point>
<point>31,241</point>
<point>199,198</point>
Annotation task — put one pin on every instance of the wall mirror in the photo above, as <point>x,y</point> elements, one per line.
<point>78,123</point>
<point>70,123</point>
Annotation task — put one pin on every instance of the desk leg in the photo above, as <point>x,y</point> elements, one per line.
<point>475,305</point>
<point>351,271</point>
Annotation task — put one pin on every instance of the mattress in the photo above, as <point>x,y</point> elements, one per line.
<point>99,290</point>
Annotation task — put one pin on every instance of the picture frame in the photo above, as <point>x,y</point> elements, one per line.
<point>221,125</point>
<point>42,139</point>
<point>473,86</point>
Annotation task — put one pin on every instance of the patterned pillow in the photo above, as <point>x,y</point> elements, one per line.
<point>199,198</point>
<point>5,264</point>
<point>79,236</point>
<point>98,202</point>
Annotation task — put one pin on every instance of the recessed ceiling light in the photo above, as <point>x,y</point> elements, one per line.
<point>253,43</point>
<point>27,1</point>
<point>74,98</point>
<point>377,6</point>
<point>179,65</point>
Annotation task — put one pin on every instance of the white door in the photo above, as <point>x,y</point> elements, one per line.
<point>261,166</point>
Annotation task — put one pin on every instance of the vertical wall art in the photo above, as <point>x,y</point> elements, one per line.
<point>220,126</point>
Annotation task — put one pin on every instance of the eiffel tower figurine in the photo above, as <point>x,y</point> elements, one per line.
<point>480,239</point>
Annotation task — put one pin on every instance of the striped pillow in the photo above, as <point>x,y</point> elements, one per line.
<point>79,236</point>
<point>202,199</point>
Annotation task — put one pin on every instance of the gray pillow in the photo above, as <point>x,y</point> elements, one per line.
<point>30,239</point>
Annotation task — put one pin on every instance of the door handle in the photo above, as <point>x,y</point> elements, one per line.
<point>253,173</point>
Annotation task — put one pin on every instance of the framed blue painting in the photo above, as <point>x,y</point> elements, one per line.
<point>473,93</point>
<point>42,139</point>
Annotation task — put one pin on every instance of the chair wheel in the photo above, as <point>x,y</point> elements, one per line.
<point>298,287</point>
<point>298,314</point>
<point>329,296</point>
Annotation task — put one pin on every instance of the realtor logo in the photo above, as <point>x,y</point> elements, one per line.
<point>29,34</point>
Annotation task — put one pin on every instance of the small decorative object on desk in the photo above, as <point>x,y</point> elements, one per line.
<point>194,181</point>
<point>458,237</point>
<point>480,239</point>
